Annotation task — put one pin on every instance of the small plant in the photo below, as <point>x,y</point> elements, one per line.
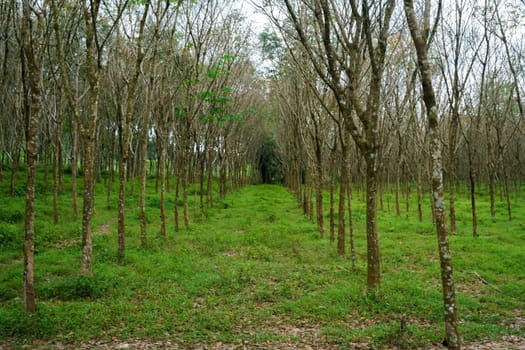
<point>76,288</point>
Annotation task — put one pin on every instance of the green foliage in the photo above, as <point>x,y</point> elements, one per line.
<point>271,44</point>
<point>12,212</point>
<point>15,322</point>
<point>76,288</point>
<point>10,235</point>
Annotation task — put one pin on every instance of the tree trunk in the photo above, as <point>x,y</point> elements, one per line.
<point>201,183</point>
<point>447,278</point>
<point>185,175</point>
<point>209,186</point>
<point>319,199</point>
<point>332,190</point>
<point>87,206</point>
<point>122,172</point>
<point>74,165</point>
<point>373,281</point>
<point>492,185</point>
<point>472,182</point>
<point>419,195</point>
<point>144,167</point>
<point>176,205</point>
<point>341,248</point>
<point>162,178</point>
<point>111,170</point>
<point>32,81</point>
<point>56,184</point>
<point>507,196</point>
<point>398,206</point>
<point>351,227</point>
<point>408,191</point>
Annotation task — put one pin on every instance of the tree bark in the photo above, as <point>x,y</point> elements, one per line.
<point>373,280</point>
<point>32,32</point>
<point>341,248</point>
<point>351,227</point>
<point>445,257</point>
<point>74,165</point>
<point>124,126</point>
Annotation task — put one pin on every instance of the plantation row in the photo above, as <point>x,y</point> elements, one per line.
<point>254,271</point>
<point>420,96</point>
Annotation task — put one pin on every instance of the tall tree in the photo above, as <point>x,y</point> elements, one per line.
<point>347,46</point>
<point>125,126</point>
<point>453,340</point>
<point>33,35</point>
<point>94,40</point>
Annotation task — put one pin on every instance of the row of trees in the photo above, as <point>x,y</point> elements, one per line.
<point>127,88</point>
<point>352,111</point>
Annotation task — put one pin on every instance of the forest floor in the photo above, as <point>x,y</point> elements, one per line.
<point>254,273</point>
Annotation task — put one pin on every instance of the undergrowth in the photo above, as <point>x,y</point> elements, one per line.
<point>253,264</point>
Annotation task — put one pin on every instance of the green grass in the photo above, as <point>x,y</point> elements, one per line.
<point>252,267</point>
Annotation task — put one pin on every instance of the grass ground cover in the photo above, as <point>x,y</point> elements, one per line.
<point>255,271</point>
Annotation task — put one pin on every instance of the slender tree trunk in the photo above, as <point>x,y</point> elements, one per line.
<point>332,203</point>
<point>373,256</point>
<point>341,248</point>
<point>201,183</point>
<point>472,181</point>
<point>144,167</point>
<point>87,205</point>
<point>29,241</point>
<point>310,204</point>
<point>351,227</point>
<point>185,175</point>
<point>305,200</point>
<point>60,162</point>
<point>111,170</point>
<point>398,206</point>
<point>122,172</point>
<point>32,81</point>
<point>209,186</point>
<point>157,176</point>
<point>56,184</point>
<point>419,195</point>
<point>74,165</point>
<point>162,171</point>
<point>447,278</point>
<point>492,185</point>
<point>407,203</point>
<point>507,196</point>
<point>176,205</point>
<point>319,199</point>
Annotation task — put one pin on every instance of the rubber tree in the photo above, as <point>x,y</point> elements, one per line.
<point>453,340</point>
<point>94,39</point>
<point>33,42</point>
<point>348,48</point>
